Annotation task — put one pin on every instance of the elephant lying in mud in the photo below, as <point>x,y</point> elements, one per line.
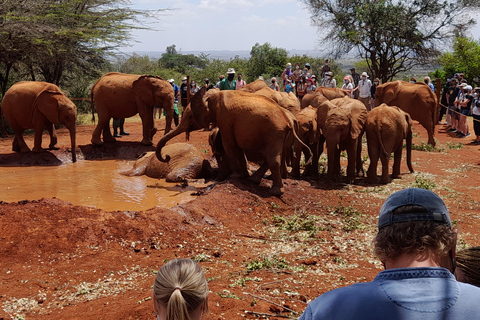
<point>186,162</point>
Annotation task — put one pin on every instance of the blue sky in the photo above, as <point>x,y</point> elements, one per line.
<point>205,25</point>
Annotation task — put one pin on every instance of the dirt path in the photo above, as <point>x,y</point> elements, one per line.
<point>261,254</point>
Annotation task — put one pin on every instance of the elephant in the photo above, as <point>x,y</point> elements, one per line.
<point>308,133</point>
<point>248,123</point>
<point>254,86</point>
<point>36,104</point>
<point>417,99</point>
<point>186,162</point>
<point>342,123</point>
<point>386,127</point>
<point>314,99</point>
<point>119,95</point>
<point>285,100</point>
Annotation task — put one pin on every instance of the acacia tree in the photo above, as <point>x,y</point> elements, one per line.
<point>391,36</point>
<point>47,37</point>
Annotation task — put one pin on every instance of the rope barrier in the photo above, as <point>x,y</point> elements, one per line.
<point>450,110</point>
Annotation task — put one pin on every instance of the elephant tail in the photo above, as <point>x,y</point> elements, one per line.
<point>294,130</point>
<point>3,122</point>
<point>380,141</point>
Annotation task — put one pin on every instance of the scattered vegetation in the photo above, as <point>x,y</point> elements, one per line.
<point>423,183</point>
<point>351,217</point>
<point>201,257</point>
<point>426,147</point>
<point>454,145</point>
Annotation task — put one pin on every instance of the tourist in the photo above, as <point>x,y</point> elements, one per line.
<point>364,88</point>
<point>476,116</point>
<point>240,82</point>
<point>464,102</point>
<point>329,81</point>
<point>274,85</point>
<point>180,291</point>
<point>348,85</point>
<point>229,83</point>
<point>416,245</point>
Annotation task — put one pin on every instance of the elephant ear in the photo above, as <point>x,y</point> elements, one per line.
<point>46,103</point>
<point>358,117</point>
<point>322,112</point>
<point>144,90</point>
<point>199,107</point>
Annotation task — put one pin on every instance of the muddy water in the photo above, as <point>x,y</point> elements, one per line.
<point>92,183</point>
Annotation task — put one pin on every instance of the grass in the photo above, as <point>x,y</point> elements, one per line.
<point>86,119</point>
<point>295,223</point>
<point>201,257</point>
<point>454,145</point>
<point>351,217</point>
<point>426,147</point>
<point>423,183</point>
<point>273,262</point>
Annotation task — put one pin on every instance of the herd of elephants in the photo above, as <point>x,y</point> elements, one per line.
<point>256,123</point>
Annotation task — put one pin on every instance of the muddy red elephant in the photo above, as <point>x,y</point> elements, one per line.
<point>119,95</point>
<point>417,99</point>
<point>186,162</point>
<point>248,123</point>
<point>36,105</point>
<point>386,128</point>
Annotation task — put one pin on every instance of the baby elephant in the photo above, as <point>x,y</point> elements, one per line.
<point>386,127</point>
<point>186,162</point>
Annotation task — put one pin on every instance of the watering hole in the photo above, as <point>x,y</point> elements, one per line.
<point>93,183</point>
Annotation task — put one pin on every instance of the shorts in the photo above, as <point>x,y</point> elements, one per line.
<point>476,124</point>
<point>465,111</point>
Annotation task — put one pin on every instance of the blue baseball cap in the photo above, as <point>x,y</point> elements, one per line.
<point>436,209</point>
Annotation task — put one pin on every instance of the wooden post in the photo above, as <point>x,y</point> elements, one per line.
<point>188,90</point>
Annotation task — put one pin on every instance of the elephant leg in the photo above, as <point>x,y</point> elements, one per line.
<point>352,159</point>
<point>235,155</point>
<point>385,159</point>
<point>19,144</point>
<point>309,168</point>
<point>274,164</point>
<point>257,176</point>
<point>53,136</point>
<point>358,160</point>
<point>397,159</point>
<point>107,134</point>
<point>148,126</point>
<point>373,154</point>
<point>332,152</point>
<point>103,123</point>
<point>296,160</point>
<point>37,142</point>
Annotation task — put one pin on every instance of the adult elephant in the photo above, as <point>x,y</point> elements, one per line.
<point>248,123</point>
<point>317,97</point>
<point>386,128</point>
<point>342,123</point>
<point>417,99</point>
<point>186,162</point>
<point>119,95</point>
<point>36,105</point>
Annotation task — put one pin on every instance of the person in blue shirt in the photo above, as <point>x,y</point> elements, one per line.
<point>416,245</point>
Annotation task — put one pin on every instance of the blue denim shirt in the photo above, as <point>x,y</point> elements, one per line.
<point>404,293</point>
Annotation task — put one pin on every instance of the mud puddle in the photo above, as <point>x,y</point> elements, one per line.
<point>93,183</point>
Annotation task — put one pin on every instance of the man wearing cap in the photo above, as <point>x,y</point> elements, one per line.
<point>416,244</point>
<point>329,81</point>
<point>364,88</point>
<point>229,83</point>
<point>356,78</point>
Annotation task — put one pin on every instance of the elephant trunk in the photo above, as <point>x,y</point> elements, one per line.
<point>409,150</point>
<point>186,124</point>
<point>73,143</point>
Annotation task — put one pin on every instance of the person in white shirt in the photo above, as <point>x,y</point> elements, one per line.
<point>364,87</point>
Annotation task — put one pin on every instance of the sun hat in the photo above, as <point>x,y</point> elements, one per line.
<point>184,78</point>
<point>463,85</point>
<point>436,209</point>
<point>364,74</point>
<point>329,73</point>
<point>171,80</point>
<point>468,88</point>
<point>231,71</point>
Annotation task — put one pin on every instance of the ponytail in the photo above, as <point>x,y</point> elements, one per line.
<point>177,307</point>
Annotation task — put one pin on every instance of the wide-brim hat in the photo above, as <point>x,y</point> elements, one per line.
<point>184,78</point>
<point>231,71</point>
<point>364,74</point>
<point>462,85</point>
<point>171,80</point>
<point>329,73</point>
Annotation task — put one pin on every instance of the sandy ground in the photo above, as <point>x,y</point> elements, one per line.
<point>263,256</point>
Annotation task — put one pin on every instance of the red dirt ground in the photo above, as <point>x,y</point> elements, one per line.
<point>264,257</point>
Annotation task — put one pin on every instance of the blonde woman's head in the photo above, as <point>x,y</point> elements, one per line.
<point>180,291</point>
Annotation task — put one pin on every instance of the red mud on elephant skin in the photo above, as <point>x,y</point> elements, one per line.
<point>66,261</point>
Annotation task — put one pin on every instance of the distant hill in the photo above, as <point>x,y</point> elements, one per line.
<point>225,54</point>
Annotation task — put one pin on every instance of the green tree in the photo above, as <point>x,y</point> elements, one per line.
<point>391,36</point>
<point>266,60</point>
<point>48,37</point>
<point>171,59</point>
<point>465,58</point>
